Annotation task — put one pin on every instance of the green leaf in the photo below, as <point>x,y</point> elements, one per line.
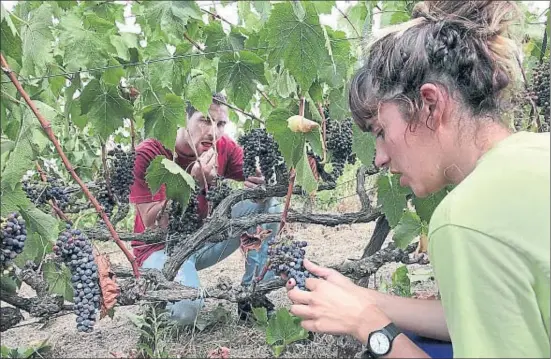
<point>264,8</point>
<point>161,121</point>
<point>284,329</point>
<point>401,284</point>
<point>356,15</point>
<point>35,249</point>
<point>104,106</point>
<point>407,229</point>
<point>300,43</point>
<point>84,48</point>
<point>43,224</point>
<point>9,285</point>
<point>363,145</point>
<point>12,199</point>
<point>392,198</point>
<point>6,17</point>
<point>316,92</point>
<point>9,39</point>
<point>168,19</point>
<point>314,138</point>
<point>284,84</point>
<point>6,145</point>
<point>199,94</point>
<point>323,7</point>
<point>305,178</point>
<point>37,41</point>
<point>425,206</point>
<point>338,103</point>
<point>290,143</point>
<point>335,70</point>
<point>113,75</point>
<point>260,315</point>
<point>59,279</point>
<point>178,182</point>
<point>239,74</point>
<point>217,40</point>
<point>122,43</point>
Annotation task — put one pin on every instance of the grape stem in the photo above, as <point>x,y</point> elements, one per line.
<point>46,126</point>
<point>106,170</point>
<point>52,201</point>
<point>324,133</point>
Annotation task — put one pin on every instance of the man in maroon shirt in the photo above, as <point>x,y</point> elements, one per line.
<point>199,137</point>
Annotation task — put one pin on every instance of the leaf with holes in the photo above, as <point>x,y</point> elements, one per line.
<point>239,73</point>
<point>178,183</point>
<point>107,282</point>
<point>162,120</point>
<point>299,42</point>
<point>104,106</point>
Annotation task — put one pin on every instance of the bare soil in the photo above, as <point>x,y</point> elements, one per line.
<point>327,246</point>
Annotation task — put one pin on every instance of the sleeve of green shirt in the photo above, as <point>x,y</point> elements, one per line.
<point>484,284</point>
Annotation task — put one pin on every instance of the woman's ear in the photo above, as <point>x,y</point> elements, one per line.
<point>432,105</point>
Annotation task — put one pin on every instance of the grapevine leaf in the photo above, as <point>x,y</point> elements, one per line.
<point>305,178</point>
<point>110,291</point>
<point>392,197</point>
<point>5,17</point>
<point>407,229</point>
<point>9,285</point>
<point>217,40</point>
<point>161,121</point>
<point>6,146</point>
<point>160,72</point>
<point>316,92</point>
<point>239,73</point>
<point>426,206</point>
<point>199,94</point>
<point>43,224</point>
<point>284,83</point>
<point>290,143</point>
<point>335,71</point>
<point>59,279</point>
<point>104,106</point>
<point>84,46</point>
<point>363,145</point>
<point>37,41</point>
<point>260,315</point>
<point>34,250</point>
<point>323,7</point>
<point>12,199</point>
<point>122,43</point>
<point>314,139</point>
<point>304,45</point>
<point>264,8</point>
<point>169,18</point>
<point>401,284</point>
<point>10,40</point>
<point>356,15</point>
<point>338,103</point>
<point>113,75</point>
<point>178,182</point>
<point>284,329</point>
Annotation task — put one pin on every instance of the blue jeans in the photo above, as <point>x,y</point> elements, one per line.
<point>186,311</point>
<point>434,348</point>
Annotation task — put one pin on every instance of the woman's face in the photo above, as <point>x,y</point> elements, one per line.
<point>415,154</point>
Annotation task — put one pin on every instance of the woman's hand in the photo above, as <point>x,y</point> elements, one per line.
<point>335,305</point>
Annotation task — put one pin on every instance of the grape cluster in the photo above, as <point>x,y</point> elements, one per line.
<point>540,93</point>
<point>185,222</point>
<point>258,143</point>
<point>105,201</point>
<point>339,143</point>
<point>13,235</point>
<point>287,258</point>
<point>218,192</point>
<point>40,193</point>
<point>122,172</point>
<point>74,248</point>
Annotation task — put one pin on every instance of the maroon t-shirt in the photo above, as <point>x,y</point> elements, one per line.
<point>230,165</point>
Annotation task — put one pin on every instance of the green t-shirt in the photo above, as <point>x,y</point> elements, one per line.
<point>489,244</point>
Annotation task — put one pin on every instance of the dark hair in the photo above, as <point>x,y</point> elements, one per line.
<point>216,98</point>
<point>459,45</point>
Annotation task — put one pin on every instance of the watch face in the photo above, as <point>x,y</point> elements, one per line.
<point>379,343</point>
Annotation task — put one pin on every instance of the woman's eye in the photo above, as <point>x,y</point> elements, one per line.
<point>380,134</point>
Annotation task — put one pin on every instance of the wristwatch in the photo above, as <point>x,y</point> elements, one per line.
<point>379,342</point>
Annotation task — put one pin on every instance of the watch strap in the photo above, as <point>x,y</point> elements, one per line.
<point>392,331</point>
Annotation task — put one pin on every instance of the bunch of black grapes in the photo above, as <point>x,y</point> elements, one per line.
<point>184,222</point>
<point>258,143</point>
<point>41,192</point>
<point>74,248</point>
<point>122,172</point>
<point>105,201</point>
<point>218,192</point>
<point>13,235</point>
<point>339,143</point>
<point>540,93</point>
<point>287,258</point>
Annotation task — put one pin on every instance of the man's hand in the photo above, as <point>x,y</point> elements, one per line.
<point>254,181</point>
<point>207,167</point>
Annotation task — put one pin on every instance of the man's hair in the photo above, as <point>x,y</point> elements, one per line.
<point>460,45</point>
<point>216,97</point>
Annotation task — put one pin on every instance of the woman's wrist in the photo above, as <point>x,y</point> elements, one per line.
<point>371,318</point>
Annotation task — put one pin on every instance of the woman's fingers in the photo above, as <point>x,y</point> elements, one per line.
<point>316,269</point>
<point>298,296</point>
<point>290,284</point>
<point>302,311</point>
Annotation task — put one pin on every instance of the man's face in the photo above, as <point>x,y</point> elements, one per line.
<point>202,132</point>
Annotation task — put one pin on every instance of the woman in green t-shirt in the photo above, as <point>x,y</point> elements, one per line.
<point>431,90</point>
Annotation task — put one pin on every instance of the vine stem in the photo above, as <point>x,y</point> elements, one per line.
<point>132,134</point>
<point>268,99</point>
<point>193,42</point>
<point>533,110</point>
<point>46,126</point>
<point>52,201</point>
<point>216,16</point>
<point>106,170</point>
<point>348,19</point>
<point>240,110</point>
<point>292,176</point>
<point>324,134</point>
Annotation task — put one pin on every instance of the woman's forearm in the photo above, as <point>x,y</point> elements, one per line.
<point>424,317</point>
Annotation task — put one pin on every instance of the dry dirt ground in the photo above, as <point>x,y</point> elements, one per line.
<point>119,335</point>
